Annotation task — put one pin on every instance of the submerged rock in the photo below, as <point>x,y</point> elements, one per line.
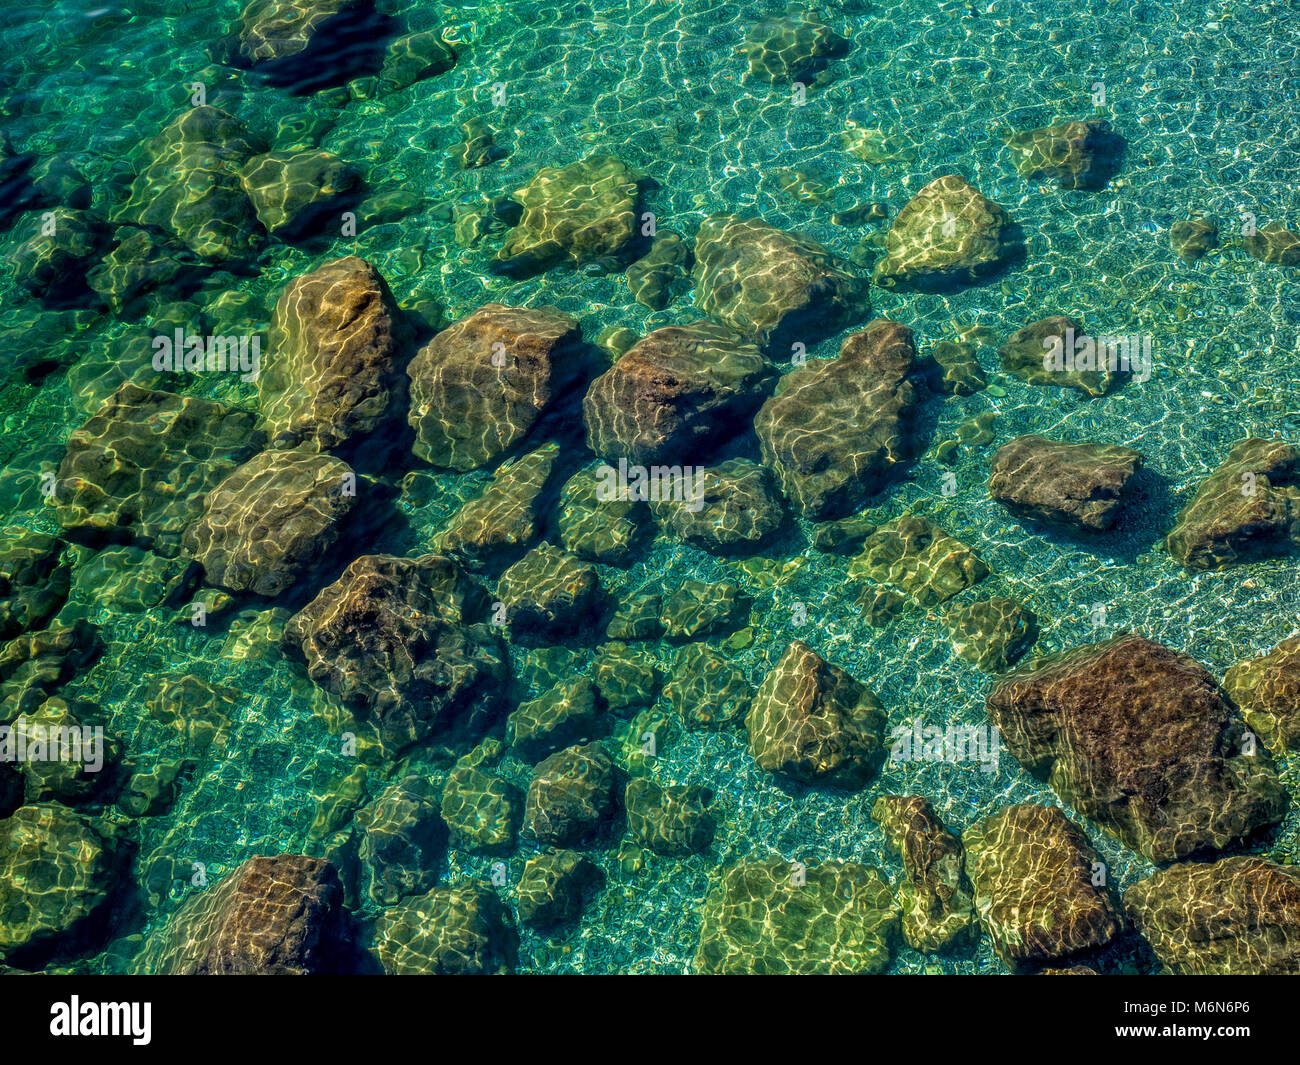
<point>772,287</point>
<point>958,370</point>
<point>838,429</point>
<point>140,266</point>
<point>53,262</point>
<point>36,665</point>
<point>670,819</point>
<point>189,185</point>
<point>580,213</point>
<point>571,712</point>
<point>791,48</point>
<point>294,193</point>
<point>1267,689</point>
<point>627,678</point>
<point>338,344</point>
<point>58,869</point>
<point>813,722</point>
<point>698,608</point>
<point>389,639</point>
<point>674,394</point>
<point>571,796</point>
<point>1077,155</point>
<point>947,234</point>
<point>506,517</point>
<point>1140,739</point>
<point>991,633</point>
<point>1234,917</point>
<point>1193,237</point>
<point>1056,352</point>
<point>413,58</point>
<point>199,712</point>
<point>272,916</point>
<point>776,917</point>
<point>1248,508</point>
<point>707,689</point>
<point>663,273</point>
<point>1273,244</point>
<point>478,145</point>
<point>452,931</point>
<point>598,522</point>
<point>938,911</point>
<point>480,384</point>
<point>1034,876</point>
<point>732,506</point>
<point>553,886</point>
<point>270,520</point>
<point>1082,485</point>
<point>402,841</point>
<point>35,578</point>
<point>481,810</point>
<point>549,595</point>
<point>138,469</point>
<point>919,558</point>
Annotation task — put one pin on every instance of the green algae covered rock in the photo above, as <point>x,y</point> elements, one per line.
<point>1082,485</point>
<point>957,371</point>
<point>333,371</point>
<point>278,29</point>
<point>138,469</point>
<point>772,287</point>
<point>938,911</point>
<point>198,711</point>
<point>637,617</point>
<point>1141,740</point>
<point>627,677</point>
<point>707,690</point>
<point>795,47</point>
<point>270,520</point>
<point>1267,689</point>
<point>452,931</point>
<point>35,665</point>
<point>1035,879</point>
<point>814,723</point>
<point>701,608</point>
<point>481,810</point>
<point>273,916</point>
<point>597,522</point>
<point>53,262</point>
<point>35,578</point>
<point>478,145</point>
<point>413,58</point>
<point>670,819</point>
<point>1234,917</point>
<point>58,868</point>
<point>189,185</point>
<point>1077,155</point>
<point>296,193</point>
<point>991,633</point>
<point>1192,238</point>
<point>775,917</point>
<point>553,886</point>
<point>1248,508</point>
<point>1273,244</point>
<point>402,841</point>
<point>580,213</point>
<point>571,796</point>
<point>91,769</point>
<point>506,516</point>
<point>947,234</point>
<point>548,594</point>
<point>1055,352</point>
<point>571,712</point>
<point>480,384</point>
<point>663,273</point>
<point>733,506</point>
<point>838,429</point>
<point>675,393</point>
<point>389,639</point>
<point>919,558</point>
<point>140,266</point>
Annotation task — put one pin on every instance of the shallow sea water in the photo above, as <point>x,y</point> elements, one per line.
<point>1205,93</point>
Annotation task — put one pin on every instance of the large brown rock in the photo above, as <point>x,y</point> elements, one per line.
<point>389,638</point>
<point>772,287</point>
<point>1234,917</point>
<point>479,385</point>
<point>1035,877</point>
<point>1140,739</point>
<point>1246,509</point>
<point>1082,485</point>
<point>1267,689</point>
<point>813,722</point>
<point>337,346</point>
<point>273,916</point>
<point>839,428</point>
<point>674,393</point>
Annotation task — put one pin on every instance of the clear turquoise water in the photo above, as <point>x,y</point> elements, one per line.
<point>1206,95</point>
